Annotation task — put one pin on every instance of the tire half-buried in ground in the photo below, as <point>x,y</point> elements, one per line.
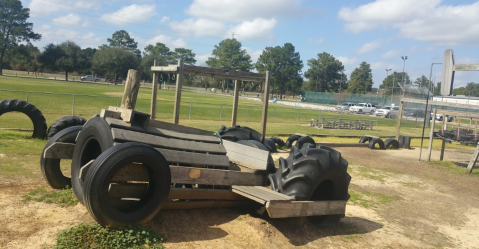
<point>63,123</point>
<point>313,174</point>
<point>376,143</point>
<point>391,143</point>
<point>108,210</point>
<point>94,138</point>
<point>35,115</point>
<point>51,167</point>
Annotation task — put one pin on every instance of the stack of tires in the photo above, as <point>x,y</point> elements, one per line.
<point>378,143</point>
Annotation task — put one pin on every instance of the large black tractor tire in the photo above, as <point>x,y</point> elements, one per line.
<point>401,141</point>
<point>365,139</point>
<point>63,123</point>
<point>407,142</point>
<point>94,139</point>
<point>270,168</point>
<point>269,143</point>
<point>51,167</point>
<point>304,140</point>
<point>391,143</point>
<point>238,132</point>
<point>376,141</point>
<point>35,115</point>
<point>313,174</point>
<point>278,141</point>
<point>100,175</point>
<point>291,139</point>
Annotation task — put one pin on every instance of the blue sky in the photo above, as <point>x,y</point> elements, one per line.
<point>378,32</point>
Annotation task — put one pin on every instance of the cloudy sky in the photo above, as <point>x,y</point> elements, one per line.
<point>378,32</point>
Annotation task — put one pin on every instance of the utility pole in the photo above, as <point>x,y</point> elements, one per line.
<point>387,75</point>
<point>404,58</point>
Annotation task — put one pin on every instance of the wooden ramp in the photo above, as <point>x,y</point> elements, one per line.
<point>260,194</point>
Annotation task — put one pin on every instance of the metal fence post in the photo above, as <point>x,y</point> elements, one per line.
<point>297,117</point>
<point>189,116</point>
<point>221,111</point>
<point>27,96</point>
<point>274,117</point>
<point>73,105</point>
<point>249,111</point>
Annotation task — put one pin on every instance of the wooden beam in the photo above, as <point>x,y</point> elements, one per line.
<point>178,205</point>
<point>179,82</point>
<point>154,91</point>
<point>284,209</point>
<point>443,147</point>
<point>132,85</point>
<point>110,114</point>
<point>59,151</point>
<point>264,116</point>
<point>431,136</point>
<point>235,103</point>
<point>466,67</point>
<point>84,170</point>
<point>179,128</point>
<point>365,145</point>
<point>165,69</point>
<point>473,160</point>
<point>398,128</point>
<point>260,194</point>
<point>441,103</point>
<point>204,194</point>
<point>224,73</point>
<point>246,156</point>
<point>137,119</point>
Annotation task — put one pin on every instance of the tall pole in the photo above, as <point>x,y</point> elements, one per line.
<point>404,58</point>
<point>392,89</point>
<point>387,75</point>
<point>264,116</point>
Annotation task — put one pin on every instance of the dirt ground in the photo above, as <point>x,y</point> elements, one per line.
<point>396,202</point>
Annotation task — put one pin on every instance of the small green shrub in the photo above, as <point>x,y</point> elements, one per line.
<point>96,236</point>
<point>63,197</point>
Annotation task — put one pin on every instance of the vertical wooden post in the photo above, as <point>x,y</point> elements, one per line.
<point>179,82</point>
<point>235,103</point>
<point>132,85</point>
<point>431,137</point>
<point>443,147</point>
<point>473,160</point>
<point>154,90</point>
<point>398,128</point>
<point>264,117</point>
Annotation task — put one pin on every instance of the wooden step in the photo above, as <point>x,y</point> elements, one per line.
<point>260,194</point>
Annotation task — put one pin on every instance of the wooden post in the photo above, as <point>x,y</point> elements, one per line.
<point>179,79</point>
<point>264,117</point>
<point>132,86</point>
<point>154,91</point>
<point>398,128</point>
<point>473,160</point>
<point>443,147</point>
<point>431,137</point>
<point>235,103</point>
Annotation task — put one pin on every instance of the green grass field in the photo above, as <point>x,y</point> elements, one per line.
<point>208,111</point>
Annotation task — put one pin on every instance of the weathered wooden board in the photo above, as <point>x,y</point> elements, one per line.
<point>473,160</point>
<point>132,85</point>
<point>246,156</point>
<point>129,190</point>
<point>165,69</point>
<point>179,84</point>
<point>110,114</point>
<point>84,170</point>
<point>365,145</point>
<point>179,128</point>
<point>466,67</point>
<point>59,151</point>
<point>282,209</point>
<point>121,135</point>
<point>137,119</point>
<point>227,74</point>
<point>175,205</point>
<point>260,194</point>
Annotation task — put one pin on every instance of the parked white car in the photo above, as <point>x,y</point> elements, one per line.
<point>363,108</point>
<point>89,78</point>
<point>344,106</point>
<point>387,111</point>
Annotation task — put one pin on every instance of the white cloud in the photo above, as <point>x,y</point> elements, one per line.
<point>198,27</point>
<point>68,20</point>
<point>467,60</point>
<point>258,29</point>
<point>370,46</point>
<point>168,41</point>
<point>424,20</point>
<point>253,53</point>
<point>391,54</point>
<point>131,14</point>
<point>46,7</point>
<point>60,35</point>
<point>201,58</point>
<point>346,60</point>
<point>244,10</point>
<point>315,41</point>
<point>164,19</point>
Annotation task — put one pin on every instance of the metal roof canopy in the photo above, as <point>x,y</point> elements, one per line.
<point>211,72</point>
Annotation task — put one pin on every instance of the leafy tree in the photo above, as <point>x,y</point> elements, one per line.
<point>121,39</point>
<point>470,90</point>
<point>228,54</point>
<point>114,62</point>
<point>22,57</point>
<point>396,79</point>
<point>66,56</point>
<point>361,79</point>
<point>186,54</point>
<point>285,66</point>
<point>14,27</point>
<point>422,81</point>
<point>85,65</point>
<point>437,89</point>
<point>159,49</point>
<point>325,74</point>
<point>159,52</point>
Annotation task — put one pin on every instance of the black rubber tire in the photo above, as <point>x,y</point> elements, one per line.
<point>303,140</point>
<point>313,174</point>
<point>290,140</point>
<point>94,139</point>
<point>35,115</point>
<point>101,172</point>
<point>376,141</point>
<point>63,123</point>
<point>269,143</point>
<point>238,132</point>
<point>391,143</point>
<point>51,167</point>
<point>278,141</point>
<point>401,141</point>
<point>407,142</point>
<point>270,168</point>
<point>364,139</point>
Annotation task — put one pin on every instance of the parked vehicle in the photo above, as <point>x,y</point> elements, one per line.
<point>344,106</point>
<point>415,113</point>
<point>448,118</point>
<point>89,78</point>
<point>363,108</point>
<point>388,111</point>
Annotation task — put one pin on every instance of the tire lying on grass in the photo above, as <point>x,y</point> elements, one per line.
<point>376,143</point>
<point>313,174</point>
<point>51,167</point>
<point>391,143</point>
<point>63,123</point>
<point>270,168</point>
<point>35,115</point>
<point>108,212</point>
<point>94,139</point>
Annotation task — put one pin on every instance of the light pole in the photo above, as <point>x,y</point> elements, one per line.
<point>340,82</point>
<point>404,58</point>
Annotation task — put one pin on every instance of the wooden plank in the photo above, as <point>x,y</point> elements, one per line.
<point>154,92</point>
<point>235,103</point>
<point>179,128</point>
<point>224,73</point>
<point>84,170</point>
<point>260,194</point>
<point>473,160</point>
<point>129,190</point>
<point>110,114</point>
<point>246,156</point>
<point>332,145</point>
<point>136,118</point>
<point>283,209</point>
<point>121,135</point>
<point>431,136</point>
<point>447,76</point>
<point>59,151</point>
<point>165,69</point>
<point>132,85</point>
<point>466,67</point>
<point>163,132</point>
<point>264,116</point>
<point>179,82</point>
<point>443,147</point>
<point>183,157</point>
<point>398,127</point>
<point>178,205</point>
